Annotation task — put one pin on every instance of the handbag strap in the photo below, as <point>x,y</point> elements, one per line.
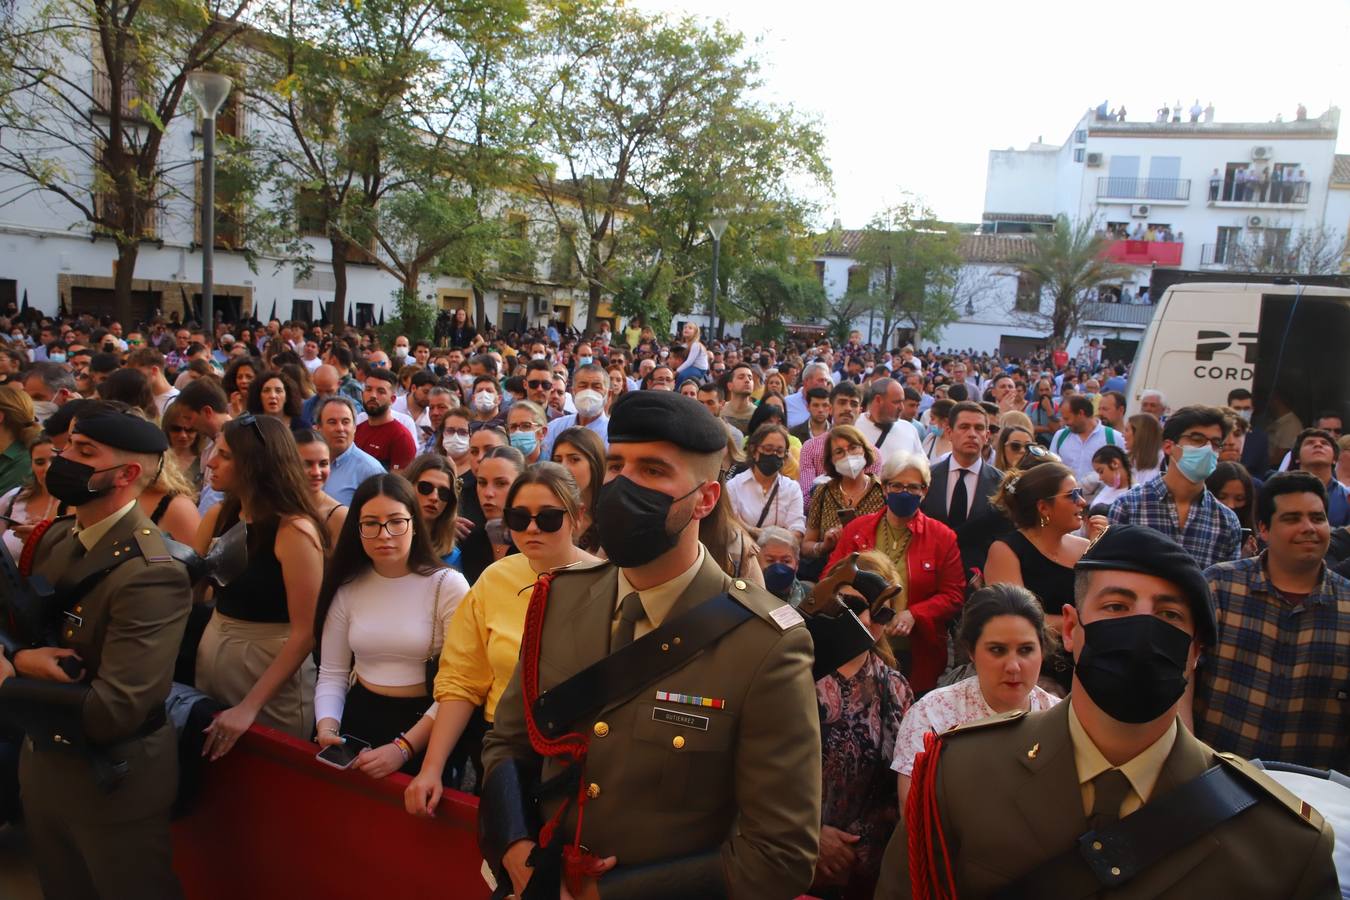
<point>764,513</point>
<point>435,609</point>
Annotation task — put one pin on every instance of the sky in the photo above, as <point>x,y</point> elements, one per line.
<point>913,96</point>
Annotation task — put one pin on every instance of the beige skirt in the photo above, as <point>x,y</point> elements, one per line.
<point>232,656</point>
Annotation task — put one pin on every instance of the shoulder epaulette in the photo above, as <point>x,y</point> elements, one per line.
<point>1296,805</point>
<point>153,548</point>
<point>980,724</point>
<point>764,604</point>
<point>582,567</point>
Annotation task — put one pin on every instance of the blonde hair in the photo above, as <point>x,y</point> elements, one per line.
<point>16,412</point>
<point>879,563</point>
<point>171,478</point>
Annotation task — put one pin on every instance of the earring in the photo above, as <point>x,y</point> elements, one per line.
<point>1044,521</point>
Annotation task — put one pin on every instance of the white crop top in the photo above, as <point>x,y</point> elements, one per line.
<point>388,625</point>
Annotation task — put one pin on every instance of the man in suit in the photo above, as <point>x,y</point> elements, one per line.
<point>700,777</point>
<point>962,485</point>
<point>97,789</point>
<point>1099,795</point>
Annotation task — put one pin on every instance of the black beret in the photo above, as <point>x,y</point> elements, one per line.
<point>640,416</point>
<point>1136,548</point>
<point>122,431</point>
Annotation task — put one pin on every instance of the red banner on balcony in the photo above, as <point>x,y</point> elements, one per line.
<point>1144,253</point>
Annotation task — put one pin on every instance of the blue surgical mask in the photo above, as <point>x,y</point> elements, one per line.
<point>778,579</point>
<point>583,360</point>
<point>1197,463</point>
<point>56,357</point>
<point>903,504</point>
<point>525,442</point>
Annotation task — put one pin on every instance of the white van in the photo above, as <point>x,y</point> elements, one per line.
<point>1207,338</point>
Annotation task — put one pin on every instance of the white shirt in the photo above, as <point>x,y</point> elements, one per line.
<point>902,438</point>
<point>945,708</point>
<point>972,478</point>
<point>1076,450</point>
<point>748,498</point>
<point>163,400</point>
<point>390,626</point>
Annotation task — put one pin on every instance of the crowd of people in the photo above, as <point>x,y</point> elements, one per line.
<point>402,507</point>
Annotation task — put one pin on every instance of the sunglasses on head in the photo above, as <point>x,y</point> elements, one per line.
<point>549,520</point>
<point>248,420</point>
<point>444,494</point>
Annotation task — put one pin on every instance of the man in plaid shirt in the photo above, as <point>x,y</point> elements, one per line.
<point>1177,502</point>
<point>1275,684</point>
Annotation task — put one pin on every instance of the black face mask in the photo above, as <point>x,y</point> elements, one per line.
<point>632,522</point>
<point>1133,667</point>
<point>769,465</point>
<point>68,481</point>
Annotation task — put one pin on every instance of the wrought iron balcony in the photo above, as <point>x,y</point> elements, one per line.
<point>1144,188</point>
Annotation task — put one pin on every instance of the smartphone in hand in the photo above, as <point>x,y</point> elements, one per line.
<point>341,756</point>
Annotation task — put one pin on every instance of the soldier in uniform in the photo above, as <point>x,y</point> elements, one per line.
<point>96,793</point>
<point>684,761</point>
<point>1107,794</point>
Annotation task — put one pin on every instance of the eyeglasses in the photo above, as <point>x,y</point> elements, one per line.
<point>1017,446</point>
<point>549,519</point>
<point>458,432</point>
<point>896,487</point>
<point>522,428</point>
<point>1196,439</point>
<point>181,429</point>
<point>881,616</point>
<point>444,494</point>
<point>249,420</point>
<point>539,385</point>
<point>394,527</point>
<point>1076,495</point>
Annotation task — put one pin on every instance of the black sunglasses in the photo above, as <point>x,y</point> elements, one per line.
<point>444,494</point>
<point>540,385</point>
<point>549,520</point>
<point>248,420</point>
<point>881,616</point>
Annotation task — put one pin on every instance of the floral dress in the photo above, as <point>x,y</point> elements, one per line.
<point>859,721</point>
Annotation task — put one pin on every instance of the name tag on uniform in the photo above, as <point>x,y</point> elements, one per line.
<point>683,719</point>
<point>786,617</point>
<point>74,618</point>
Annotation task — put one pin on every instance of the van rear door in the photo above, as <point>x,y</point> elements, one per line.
<point>1302,353</point>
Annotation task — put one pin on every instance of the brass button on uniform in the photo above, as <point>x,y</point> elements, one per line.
<point>601,729</point>
<point>678,742</point>
<point>1096,845</point>
<point>78,608</point>
<point>740,585</point>
<point>593,790</point>
<point>70,632</point>
<point>1115,870</point>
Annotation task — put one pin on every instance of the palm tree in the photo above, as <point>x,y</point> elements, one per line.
<point>1066,262</point>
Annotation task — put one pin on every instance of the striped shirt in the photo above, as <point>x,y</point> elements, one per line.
<point>1212,534</point>
<point>1275,684</point>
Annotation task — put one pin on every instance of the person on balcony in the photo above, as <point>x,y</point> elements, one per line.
<point>1215,185</point>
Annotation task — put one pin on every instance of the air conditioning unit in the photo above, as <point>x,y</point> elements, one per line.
<point>1094,160</point>
<point>1139,210</point>
<point>1254,222</point>
<point>1262,151</point>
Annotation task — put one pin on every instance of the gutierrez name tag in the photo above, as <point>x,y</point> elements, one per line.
<point>675,717</point>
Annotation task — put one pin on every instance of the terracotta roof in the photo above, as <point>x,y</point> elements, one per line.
<point>1019,217</point>
<point>994,247</point>
<point>1340,169</point>
<point>840,242</point>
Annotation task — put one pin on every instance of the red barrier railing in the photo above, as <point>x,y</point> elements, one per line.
<point>273,822</point>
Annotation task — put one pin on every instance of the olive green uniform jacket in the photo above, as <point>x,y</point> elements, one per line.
<point>1007,805</point>
<point>744,781</point>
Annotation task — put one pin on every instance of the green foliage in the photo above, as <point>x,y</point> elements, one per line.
<point>770,296</point>
<point>914,262</point>
<point>1066,262</point>
<point>413,317</point>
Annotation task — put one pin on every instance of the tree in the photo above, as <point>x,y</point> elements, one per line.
<point>913,261</point>
<point>1307,251</point>
<point>770,295</point>
<point>618,92</point>
<point>1065,263</point>
<point>92,137</point>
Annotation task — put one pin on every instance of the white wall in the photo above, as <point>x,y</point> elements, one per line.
<point>1021,181</point>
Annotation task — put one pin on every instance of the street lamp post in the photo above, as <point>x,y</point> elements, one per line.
<point>209,90</point>
<point>716,227</point>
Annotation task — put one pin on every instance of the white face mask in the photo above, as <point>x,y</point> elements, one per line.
<point>851,466</point>
<point>456,445</point>
<point>589,403</point>
<point>465,381</point>
<point>401,349</point>
<point>1246,414</point>
<point>485,401</point>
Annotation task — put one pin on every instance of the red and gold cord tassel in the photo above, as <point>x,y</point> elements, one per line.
<point>930,865</point>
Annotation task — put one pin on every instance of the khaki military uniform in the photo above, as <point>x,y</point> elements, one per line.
<point>88,842</point>
<point>1009,799</point>
<point>669,779</point>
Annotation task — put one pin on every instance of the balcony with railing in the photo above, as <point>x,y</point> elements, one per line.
<point>1275,194</point>
<point>1144,253</point>
<point>1158,190</point>
<point>1136,314</point>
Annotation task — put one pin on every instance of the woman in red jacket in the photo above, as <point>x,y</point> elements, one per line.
<point>924,551</point>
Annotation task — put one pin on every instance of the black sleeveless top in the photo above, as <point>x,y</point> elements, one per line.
<point>1048,580</point>
<point>258,595</point>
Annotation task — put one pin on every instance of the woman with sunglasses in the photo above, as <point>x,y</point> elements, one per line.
<point>170,502</point>
<point>380,622</point>
<point>433,479</point>
<point>1003,632</point>
<point>861,706</point>
<point>255,653</point>
<point>318,462</point>
<point>483,643</point>
<point>1048,508</point>
<point>924,552</point>
<point>185,444</point>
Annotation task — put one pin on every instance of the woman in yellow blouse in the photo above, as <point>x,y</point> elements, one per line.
<point>482,644</point>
